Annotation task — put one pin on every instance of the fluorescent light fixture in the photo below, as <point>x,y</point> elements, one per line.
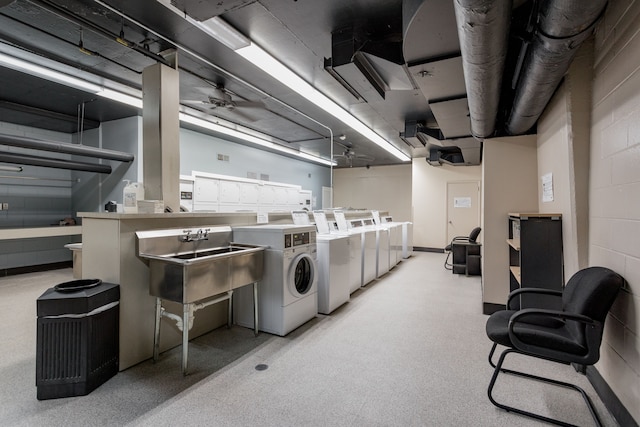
<point>67,80</point>
<point>121,97</point>
<point>136,101</point>
<point>47,73</point>
<point>229,36</point>
<point>218,29</point>
<point>277,70</point>
<point>186,118</point>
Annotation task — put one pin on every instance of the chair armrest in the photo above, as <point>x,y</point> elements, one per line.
<point>460,239</point>
<point>593,336</point>
<point>540,291</point>
<point>558,314</point>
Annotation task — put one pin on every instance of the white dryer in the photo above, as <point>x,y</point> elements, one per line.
<point>287,293</point>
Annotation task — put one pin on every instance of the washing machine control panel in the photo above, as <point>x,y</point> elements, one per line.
<point>298,239</point>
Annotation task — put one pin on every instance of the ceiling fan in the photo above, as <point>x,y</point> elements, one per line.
<point>220,98</point>
<point>348,156</point>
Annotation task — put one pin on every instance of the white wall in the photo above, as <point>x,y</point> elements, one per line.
<point>563,151</point>
<point>429,195</point>
<point>614,185</point>
<point>509,182</point>
<point>383,188</point>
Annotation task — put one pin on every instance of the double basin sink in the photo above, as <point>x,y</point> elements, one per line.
<point>191,265</point>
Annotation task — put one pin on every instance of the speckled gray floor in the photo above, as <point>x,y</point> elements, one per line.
<point>407,350</point>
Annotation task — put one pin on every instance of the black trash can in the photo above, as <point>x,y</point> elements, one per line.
<point>77,338</point>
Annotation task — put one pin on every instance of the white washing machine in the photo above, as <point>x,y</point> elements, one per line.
<point>288,291</point>
<point>382,246</point>
<point>355,256</point>
<point>334,275</point>
<point>395,240</point>
<point>368,258</point>
<point>407,239</point>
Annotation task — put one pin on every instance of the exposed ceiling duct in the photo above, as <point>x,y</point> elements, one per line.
<point>483,29</point>
<point>59,147</point>
<point>562,27</point>
<point>367,68</point>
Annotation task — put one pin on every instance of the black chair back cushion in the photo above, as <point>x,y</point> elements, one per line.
<point>473,236</point>
<point>590,292</point>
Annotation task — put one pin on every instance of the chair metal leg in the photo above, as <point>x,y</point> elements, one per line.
<point>498,369</point>
<point>493,350</point>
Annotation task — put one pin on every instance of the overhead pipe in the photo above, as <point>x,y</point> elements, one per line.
<point>483,30</point>
<point>59,147</point>
<point>26,159</point>
<point>562,28</point>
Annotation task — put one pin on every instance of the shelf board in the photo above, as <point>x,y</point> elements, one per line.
<point>535,215</point>
<point>515,270</point>
<point>514,243</point>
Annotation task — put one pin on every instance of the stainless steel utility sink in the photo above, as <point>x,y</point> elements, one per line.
<point>188,265</point>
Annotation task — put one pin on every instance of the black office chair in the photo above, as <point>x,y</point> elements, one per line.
<point>471,238</point>
<point>570,335</point>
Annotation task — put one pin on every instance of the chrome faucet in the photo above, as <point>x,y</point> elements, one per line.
<point>193,237</point>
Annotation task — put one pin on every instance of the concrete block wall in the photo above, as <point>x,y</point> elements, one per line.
<point>614,223</point>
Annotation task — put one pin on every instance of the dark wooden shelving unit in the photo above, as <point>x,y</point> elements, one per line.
<point>535,256</point>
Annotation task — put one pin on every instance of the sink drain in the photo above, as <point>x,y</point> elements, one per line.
<point>262,367</point>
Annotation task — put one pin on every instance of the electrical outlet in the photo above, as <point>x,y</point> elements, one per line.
<point>5,206</point>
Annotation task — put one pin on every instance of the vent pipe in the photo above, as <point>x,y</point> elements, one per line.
<point>483,29</point>
<point>563,26</point>
<point>59,147</point>
<point>25,159</point>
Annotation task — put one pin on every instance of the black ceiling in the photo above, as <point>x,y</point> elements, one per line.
<point>413,44</point>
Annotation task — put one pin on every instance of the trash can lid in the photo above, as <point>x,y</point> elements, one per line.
<point>81,300</point>
<point>77,285</point>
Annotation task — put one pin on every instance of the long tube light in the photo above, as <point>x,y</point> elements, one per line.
<point>220,30</point>
<point>67,80</point>
<point>205,124</point>
<point>136,101</point>
<point>256,55</point>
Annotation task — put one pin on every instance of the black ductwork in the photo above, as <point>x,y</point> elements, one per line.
<point>59,147</point>
<point>562,28</point>
<point>483,29</point>
<point>25,159</point>
<point>363,65</point>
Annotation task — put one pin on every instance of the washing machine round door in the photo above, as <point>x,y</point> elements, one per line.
<point>301,274</point>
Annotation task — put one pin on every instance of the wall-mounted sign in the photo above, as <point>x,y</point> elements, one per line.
<point>462,202</point>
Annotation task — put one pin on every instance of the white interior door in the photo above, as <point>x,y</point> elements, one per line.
<point>463,208</point>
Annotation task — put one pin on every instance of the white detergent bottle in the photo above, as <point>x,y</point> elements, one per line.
<point>133,191</point>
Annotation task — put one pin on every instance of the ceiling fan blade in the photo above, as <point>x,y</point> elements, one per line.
<point>249,104</point>
<point>243,115</point>
<point>194,101</point>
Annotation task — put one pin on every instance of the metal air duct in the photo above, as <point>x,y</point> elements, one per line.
<point>25,159</point>
<point>483,29</point>
<point>59,147</point>
<point>562,27</point>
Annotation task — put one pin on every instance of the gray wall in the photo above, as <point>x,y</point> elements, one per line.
<point>199,152</point>
<point>39,202</point>
<point>45,202</point>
